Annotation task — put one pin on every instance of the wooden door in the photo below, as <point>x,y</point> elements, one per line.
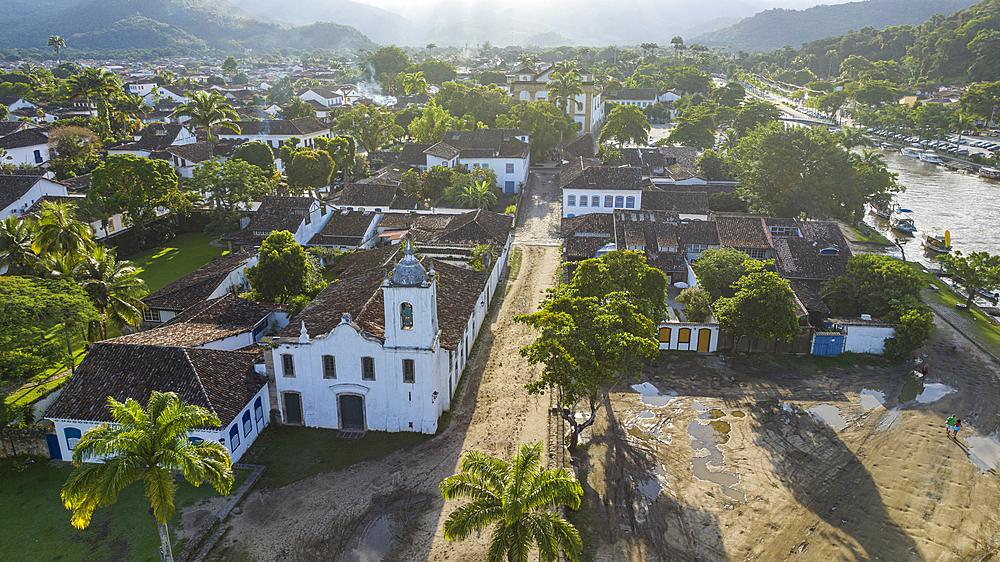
<point>293,408</point>
<point>351,412</point>
<point>704,339</point>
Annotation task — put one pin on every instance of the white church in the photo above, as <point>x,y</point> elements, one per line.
<point>382,351</point>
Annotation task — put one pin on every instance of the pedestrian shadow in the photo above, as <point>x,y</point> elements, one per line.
<point>825,476</point>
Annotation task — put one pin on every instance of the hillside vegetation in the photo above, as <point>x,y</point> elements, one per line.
<point>772,29</point>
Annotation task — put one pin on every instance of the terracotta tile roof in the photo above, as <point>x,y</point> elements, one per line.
<point>221,381</point>
<point>8,127</point>
<point>413,154</point>
<point>578,147</point>
<point>404,202</point>
<point>477,227</point>
<point>368,195</point>
<point>403,221</point>
<point>458,293</point>
<point>684,156</point>
<point>584,235</point>
<point>699,232</point>
<point>686,202</point>
<point>204,322</point>
<point>349,295</point>
<point>196,152</point>
<point>77,183</point>
<point>275,213</point>
<point>586,174</point>
<point>195,286</point>
<point>742,232</point>
<point>344,228</point>
<point>646,231</point>
<point>808,292</point>
<point>157,136</point>
<point>13,188</point>
<point>803,258</point>
<point>488,143</point>
<point>28,137</point>
<point>442,150</point>
<point>281,127</point>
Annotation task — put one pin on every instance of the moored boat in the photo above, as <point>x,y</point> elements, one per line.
<point>937,244</point>
<point>991,173</point>
<point>930,157</point>
<point>902,221</point>
<point>884,213</point>
<point>911,152</point>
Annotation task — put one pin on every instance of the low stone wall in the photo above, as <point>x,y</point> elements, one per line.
<point>27,440</point>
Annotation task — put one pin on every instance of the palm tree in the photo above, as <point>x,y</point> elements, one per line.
<point>477,195</point>
<point>518,496</point>
<point>149,444</point>
<point>414,82</point>
<point>56,43</point>
<point>209,109</point>
<point>96,83</point>
<point>114,288</point>
<point>127,112</point>
<point>60,233</point>
<point>841,296</point>
<point>564,87</point>
<point>963,121</point>
<point>850,138</point>
<point>16,238</point>
<point>528,59</point>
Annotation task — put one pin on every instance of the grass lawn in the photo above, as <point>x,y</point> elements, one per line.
<point>35,525</point>
<point>178,257</point>
<point>292,453</point>
<point>987,333</point>
<point>873,238</point>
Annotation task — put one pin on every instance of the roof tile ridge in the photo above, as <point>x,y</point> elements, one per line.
<point>197,379</point>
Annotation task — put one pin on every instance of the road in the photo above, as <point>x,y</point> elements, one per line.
<point>340,515</point>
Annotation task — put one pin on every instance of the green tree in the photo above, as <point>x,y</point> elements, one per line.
<point>518,497</point>
<point>149,444</point>
<point>209,109</point>
<point>546,125</point>
<point>564,87</point>
<point>373,126</point>
<point>59,232</point>
<point>697,304</point>
<point>114,288</point>
<point>436,181</point>
<point>981,99</point>
<point>762,307</point>
<point>912,330</point>
<point>16,239</point>
<point>256,153</point>
<point>37,317</point>
<point>478,195</point>
<point>414,83</point>
<point>229,66</point>
<point>678,44</point>
<point>719,269</point>
<point>626,123</point>
<point>389,60</point>
<point>437,71</point>
<point>309,169</point>
<point>228,189</point>
<point>281,92</point>
<point>730,95</point>
<point>753,113</point>
<point>886,287</point>
<point>430,127</point>
<point>695,127</point>
<point>56,43</point>
<point>296,108</point>
<point>978,270</point>
<point>487,77</point>
<point>136,187</point>
<point>97,83</point>
<point>596,331</point>
<point>281,270</point>
<point>851,138</point>
<point>714,167</point>
<point>125,115</point>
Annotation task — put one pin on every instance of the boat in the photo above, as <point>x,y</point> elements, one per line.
<point>930,157</point>
<point>937,244</point>
<point>887,146</point>
<point>991,173</point>
<point>884,213</point>
<point>902,221</point>
<point>988,295</point>
<point>911,152</point>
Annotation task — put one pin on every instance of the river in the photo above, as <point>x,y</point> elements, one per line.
<point>965,204</point>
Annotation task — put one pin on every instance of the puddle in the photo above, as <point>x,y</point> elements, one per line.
<point>915,389</point>
<point>889,420</point>
<point>383,530</point>
<point>651,396</point>
<point>830,414</point>
<point>872,398</point>
<point>716,414</point>
<point>699,407</point>
<point>639,434</point>
<point>646,415</point>
<point>651,488</point>
<point>934,392</point>
<point>738,414</point>
<point>984,452</point>
<point>706,438</point>
<point>375,541</point>
<point>787,407</point>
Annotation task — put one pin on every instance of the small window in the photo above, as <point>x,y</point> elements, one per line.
<point>111,225</point>
<point>609,201</point>
<point>38,157</point>
<point>72,437</point>
<point>583,200</point>
<point>596,201</point>
<point>408,370</point>
<point>406,316</point>
<point>258,410</point>
<point>151,315</point>
<point>329,367</point>
<point>367,368</point>
<point>630,202</point>
<point>247,424</point>
<point>234,438</point>
<point>571,201</point>
<point>510,167</point>
<point>287,365</point>
<point>619,202</point>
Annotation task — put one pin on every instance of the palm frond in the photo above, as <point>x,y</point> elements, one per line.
<point>470,518</point>
<point>160,489</point>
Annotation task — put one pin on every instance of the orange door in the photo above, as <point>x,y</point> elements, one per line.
<point>704,339</point>
<point>665,336</point>
<point>684,339</point>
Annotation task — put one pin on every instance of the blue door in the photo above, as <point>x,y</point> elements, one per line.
<point>52,440</point>
<point>508,187</point>
<point>828,345</point>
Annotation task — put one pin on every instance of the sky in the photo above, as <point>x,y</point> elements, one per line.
<point>404,6</point>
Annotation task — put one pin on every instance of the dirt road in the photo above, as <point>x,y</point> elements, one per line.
<point>392,506</point>
<point>762,458</point>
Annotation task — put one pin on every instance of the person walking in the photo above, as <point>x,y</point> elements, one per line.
<point>958,426</point>
<point>951,425</point>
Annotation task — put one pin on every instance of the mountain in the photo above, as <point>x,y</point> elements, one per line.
<point>169,26</point>
<point>382,26</point>
<point>772,29</point>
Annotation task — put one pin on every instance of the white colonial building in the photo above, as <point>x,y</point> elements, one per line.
<point>506,151</point>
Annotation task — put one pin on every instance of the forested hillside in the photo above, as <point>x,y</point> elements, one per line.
<point>169,26</point>
<point>772,29</point>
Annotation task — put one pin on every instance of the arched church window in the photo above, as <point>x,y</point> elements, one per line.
<point>406,315</point>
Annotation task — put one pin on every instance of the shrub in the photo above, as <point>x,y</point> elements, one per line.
<point>913,328</point>
<point>726,202</point>
<point>698,304</point>
<point>510,210</point>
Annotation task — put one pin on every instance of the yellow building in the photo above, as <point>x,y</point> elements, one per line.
<point>529,86</point>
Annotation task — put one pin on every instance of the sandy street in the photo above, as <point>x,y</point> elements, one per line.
<point>742,458</point>
<point>393,504</point>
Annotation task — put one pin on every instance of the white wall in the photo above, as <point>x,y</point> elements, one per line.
<point>41,187</point>
<point>499,166</point>
<point>867,339</point>
<point>26,155</point>
<point>577,209</point>
<point>672,340</point>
